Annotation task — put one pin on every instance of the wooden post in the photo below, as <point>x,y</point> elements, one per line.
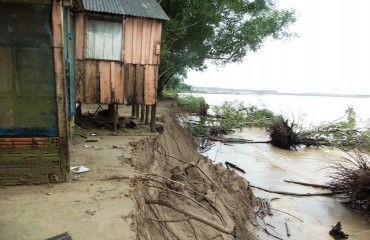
<point>113,115</point>
<point>142,115</point>
<point>133,110</point>
<point>60,84</point>
<point>78,112</point>
<point>152,118</point>
<point>137,111</point>
<point>147,111</point>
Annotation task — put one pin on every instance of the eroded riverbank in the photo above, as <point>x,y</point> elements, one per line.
<point>268,167</point>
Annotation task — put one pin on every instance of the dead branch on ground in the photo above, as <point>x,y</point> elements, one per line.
<point>296,194</point>
<point>308,184</point>
<point>191,215</point>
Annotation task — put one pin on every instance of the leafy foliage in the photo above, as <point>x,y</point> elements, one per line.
<point>236,114</point>
<point>220,31</point>
<point>195,104</point>
<point>341,132</point>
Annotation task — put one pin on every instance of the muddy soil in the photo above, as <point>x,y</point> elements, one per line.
<point>118,198</point>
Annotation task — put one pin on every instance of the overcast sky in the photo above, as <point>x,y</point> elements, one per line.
<point>332,54</point>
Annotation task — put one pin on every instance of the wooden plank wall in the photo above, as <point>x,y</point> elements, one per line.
<point>133,81</point>
<point>142,41</point>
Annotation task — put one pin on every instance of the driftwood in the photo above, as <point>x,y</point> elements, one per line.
<point>308,184</point>
<point>191,215</point>
<point>296,194</point>
<point>337,233</point>
<point>228,164</point>
<point>235,140</point>
<point>287,230</point>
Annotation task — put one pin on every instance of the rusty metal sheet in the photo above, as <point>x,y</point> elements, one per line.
<point>80,35</point>
<point>157,42</point>
<point>79,81</point>
<point>105,82</point>
<point>147,29</point>
<point>91,83</point>
<point>130,75</point>
<point>117,79</point>
<point>139,84</point>
<point>150,85</point>
<point>128,44</point>
<point>152,43</point>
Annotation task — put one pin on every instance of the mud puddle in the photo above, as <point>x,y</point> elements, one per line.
<point>268,167</point>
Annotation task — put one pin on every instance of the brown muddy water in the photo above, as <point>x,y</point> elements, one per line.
<point>268,167</point>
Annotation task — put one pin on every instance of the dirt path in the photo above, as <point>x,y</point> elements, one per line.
<point>108,202</point>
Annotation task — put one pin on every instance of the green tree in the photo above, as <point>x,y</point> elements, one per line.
<point>219,31</point>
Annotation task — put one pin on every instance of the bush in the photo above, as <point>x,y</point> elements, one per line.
<point>236,114</point>
<point>195,104</point>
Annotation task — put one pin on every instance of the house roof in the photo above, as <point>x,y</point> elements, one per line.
<point>137,8</point>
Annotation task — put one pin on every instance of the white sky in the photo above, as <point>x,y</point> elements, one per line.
<point>332,54</point>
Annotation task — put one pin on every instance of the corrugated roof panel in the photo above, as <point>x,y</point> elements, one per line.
<point>137,8</point>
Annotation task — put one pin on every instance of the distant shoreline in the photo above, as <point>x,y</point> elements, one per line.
<point>212,90</point>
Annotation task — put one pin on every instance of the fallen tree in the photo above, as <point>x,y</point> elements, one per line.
<point>352,178</point>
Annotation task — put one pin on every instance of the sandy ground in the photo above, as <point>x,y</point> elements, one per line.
<point>107,202</point>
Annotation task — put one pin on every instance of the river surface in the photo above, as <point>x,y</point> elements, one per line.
<point>306,109</point>
<point>267,167</point>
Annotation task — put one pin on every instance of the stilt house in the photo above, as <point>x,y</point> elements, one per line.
<point>54,53</point>
<point>118,45</point>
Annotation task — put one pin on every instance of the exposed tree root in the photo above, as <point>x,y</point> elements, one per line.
<point>191,215</point>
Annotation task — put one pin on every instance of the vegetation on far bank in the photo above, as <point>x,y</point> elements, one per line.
<point>284,133</point>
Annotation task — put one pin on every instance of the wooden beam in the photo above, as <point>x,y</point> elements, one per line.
<point>57,21</point>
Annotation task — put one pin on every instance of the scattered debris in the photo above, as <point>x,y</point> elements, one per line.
<point>337,233</point>
<point>287,229</point>
<point>79,169</point>
<point>63,236</point>
<point>90,139</point>
<point>228,164</point>
<point>83,136</point>
<point>353,180</point>
<point>91,213</point>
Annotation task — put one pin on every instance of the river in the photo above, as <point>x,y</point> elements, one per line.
<point>268,167</point>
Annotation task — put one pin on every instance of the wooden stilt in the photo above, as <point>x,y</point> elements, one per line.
<point>78,112</point>
<point>142,113</point>
<point>113,115</point>
<point>137,112</point>
<point>147,111</point>
<point>152,118</point>
<point>133,110</point>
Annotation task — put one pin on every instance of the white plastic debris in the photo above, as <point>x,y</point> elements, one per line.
<point>79,169</point>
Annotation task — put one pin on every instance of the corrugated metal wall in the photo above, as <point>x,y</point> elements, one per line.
<point>131,81</point>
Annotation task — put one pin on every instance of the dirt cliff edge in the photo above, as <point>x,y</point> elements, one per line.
<point>182,195</point>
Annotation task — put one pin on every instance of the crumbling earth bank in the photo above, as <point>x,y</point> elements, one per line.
<point>176,179</point>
